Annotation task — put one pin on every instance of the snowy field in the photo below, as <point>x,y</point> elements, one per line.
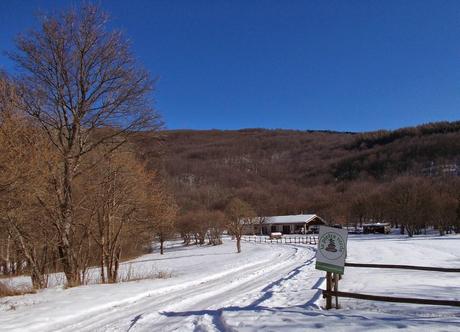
<point>268,287</point>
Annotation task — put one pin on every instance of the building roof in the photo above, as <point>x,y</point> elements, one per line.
<point>377,224</point>
<point>292,219</point>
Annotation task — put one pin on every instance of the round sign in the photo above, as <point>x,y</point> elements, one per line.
<point>331,246</point>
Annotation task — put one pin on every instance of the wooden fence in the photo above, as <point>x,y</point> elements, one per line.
<point>283,240</point>
<point>404,267</point>
<point>332,282</point>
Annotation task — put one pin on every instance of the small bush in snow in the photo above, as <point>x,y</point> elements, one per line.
<point>8,290</point>
<point>135,275</point>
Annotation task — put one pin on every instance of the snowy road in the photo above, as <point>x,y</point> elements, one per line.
<point>205,280</point>
<point>265,288</point>
<point>201,304</point>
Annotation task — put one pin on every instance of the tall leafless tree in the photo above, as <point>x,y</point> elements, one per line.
<point>84,87</point>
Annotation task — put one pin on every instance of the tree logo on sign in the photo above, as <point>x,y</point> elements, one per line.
<point>331,246</point>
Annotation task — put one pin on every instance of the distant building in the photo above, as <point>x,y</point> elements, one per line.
<point>293,224</point>
<point>377,228</point>
<point>452,169</point>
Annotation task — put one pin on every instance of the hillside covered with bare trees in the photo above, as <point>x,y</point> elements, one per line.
<point>348,178</point>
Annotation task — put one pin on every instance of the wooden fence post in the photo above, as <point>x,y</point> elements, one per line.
<point>336,289</point>
<point>328,288</point>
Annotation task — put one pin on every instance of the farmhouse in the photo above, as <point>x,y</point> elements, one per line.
<point>293,224</point>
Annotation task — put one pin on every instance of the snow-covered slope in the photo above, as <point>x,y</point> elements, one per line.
<point>266,287</point>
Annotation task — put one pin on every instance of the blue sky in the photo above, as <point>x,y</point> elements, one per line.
<point>337,65</point>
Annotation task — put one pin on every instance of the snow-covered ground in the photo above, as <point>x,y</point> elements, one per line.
<point>268,287</point>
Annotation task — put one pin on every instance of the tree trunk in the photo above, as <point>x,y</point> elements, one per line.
<point>69,266</point>
<point>410,231</point>
<point>201,237</point>
<point>101,263</point>
<point>65,248</point>
<point>117,264</point>
<point>441,230</point>
<point>402,229</point>
<point>38,280</point>
<point>196,238</point>
<point>238,244</point>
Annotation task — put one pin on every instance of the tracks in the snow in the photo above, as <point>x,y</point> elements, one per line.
<point>182,308</point>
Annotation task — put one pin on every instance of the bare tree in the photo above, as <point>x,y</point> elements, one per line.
<point>240,215</point>
<point>84,88</point>
<point>114,193</point>
<point>24,153</point>
<point>444,209</point>
<point>457,217</point>
<point>410,204</point>
<point>216,221</point>
<point>162,213</point>
<point>202,224</point>
<point>185,227</point>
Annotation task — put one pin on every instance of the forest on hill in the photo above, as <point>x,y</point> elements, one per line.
<point>289,172</point>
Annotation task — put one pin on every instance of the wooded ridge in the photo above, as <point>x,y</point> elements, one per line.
<point>290,171</point>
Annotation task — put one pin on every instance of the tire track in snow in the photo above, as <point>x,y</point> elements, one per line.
<point>299,277</point>
<point>247,297</point>
<point>202,292</point>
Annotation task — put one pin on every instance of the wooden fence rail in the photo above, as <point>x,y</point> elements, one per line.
<point>328,294</point>
<point>405,267</point>
<point>284,239</point>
